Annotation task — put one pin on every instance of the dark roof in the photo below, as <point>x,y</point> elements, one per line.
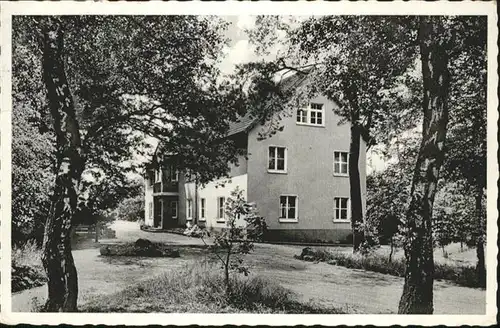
<point>242,124</point>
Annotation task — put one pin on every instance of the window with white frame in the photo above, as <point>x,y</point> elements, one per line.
<point>288,208</point>
<point>301,115</point>
<point>340,163</point>
<point>202,209</point>
<point>150,210</point>
<point>341,209</point>
<point>158,175</point>
<point>173,174</point>
<point>316,116</point>
<point>173,209</point>
<point>312,115</point>
<point>189,209</point>
<point>221,215</point>
<point>277,159</point>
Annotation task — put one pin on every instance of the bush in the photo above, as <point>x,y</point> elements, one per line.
<point>141,247</point>
<point>194,231</point>
<point>462,275</point>
<point>201,288</point>
<point>26,267</point>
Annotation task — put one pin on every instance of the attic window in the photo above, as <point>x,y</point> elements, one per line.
<point>311,115</point>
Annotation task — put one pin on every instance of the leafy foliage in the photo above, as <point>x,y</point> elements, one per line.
<point>131,77</point>
<point>130,209</point>
<point>32,146</point>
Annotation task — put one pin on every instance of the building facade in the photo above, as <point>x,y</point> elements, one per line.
<point>298,178</point>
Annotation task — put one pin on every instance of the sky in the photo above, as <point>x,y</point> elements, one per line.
<point>239,50</point>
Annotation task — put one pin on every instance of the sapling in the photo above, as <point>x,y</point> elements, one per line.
<point>237,239</point>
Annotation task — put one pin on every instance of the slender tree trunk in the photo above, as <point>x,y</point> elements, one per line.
<point>355,188</point>
<point>481,264</point>
<point>392,249</point>
<point>226,272</point>
<point>418,287</point>
<point>57,258</point>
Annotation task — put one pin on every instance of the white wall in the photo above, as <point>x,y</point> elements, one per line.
<point>211,192</point>
<point>148,198</point>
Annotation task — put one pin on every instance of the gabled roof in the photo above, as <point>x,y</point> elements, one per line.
<point>242,124</point>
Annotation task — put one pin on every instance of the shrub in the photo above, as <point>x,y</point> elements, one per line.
<point>26,267</point>
<point>193,231</point>
<point>141,247</point>
<point>462,275</point>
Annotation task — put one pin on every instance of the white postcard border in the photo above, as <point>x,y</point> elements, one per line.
<point>233,8</point>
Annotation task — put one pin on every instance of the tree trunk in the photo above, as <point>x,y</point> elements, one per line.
<point>57,258</point>
<point>481,264</point>
<point>355,188</point>
<point>392,249</point>
<point>418,287</point>
<point>226,272</point>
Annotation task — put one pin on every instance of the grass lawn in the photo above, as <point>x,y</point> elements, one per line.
<point>201,288</point>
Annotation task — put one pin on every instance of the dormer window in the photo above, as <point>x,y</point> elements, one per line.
<point>312,115</point>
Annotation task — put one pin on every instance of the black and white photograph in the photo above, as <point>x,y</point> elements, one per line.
<point>162,160</point>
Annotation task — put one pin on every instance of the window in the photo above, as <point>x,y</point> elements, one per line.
<point>341,210</point>
<point>288,208</point>
<point>220,209</point>
<point>301,116</point>
<point>316,114</point>
<point>173,174</point>
<point>277,159</point>
<point>173,209</point>
<point>202,209</point>
<point>189,209</point>
<point>158,175</point>
<point>312,115</point>
<point>151,177</point>
<point>340,163</point>
<point>150,210</point>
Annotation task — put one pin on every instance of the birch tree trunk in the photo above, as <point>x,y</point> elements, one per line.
<point>417,295</point>
<point>57,258</point>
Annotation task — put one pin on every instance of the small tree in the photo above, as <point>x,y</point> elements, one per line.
<point>237,240</point>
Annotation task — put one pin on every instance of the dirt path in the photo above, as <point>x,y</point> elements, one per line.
<point>352,290</point>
